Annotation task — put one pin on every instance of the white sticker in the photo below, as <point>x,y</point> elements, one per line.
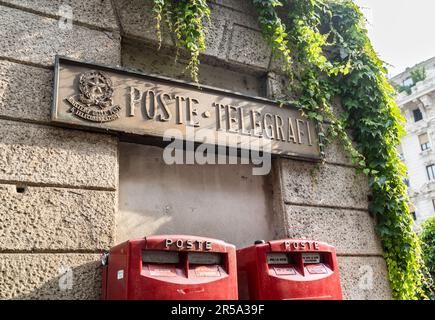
<point>277,258</point>
<point>311,257</point>
<point>120,274</point>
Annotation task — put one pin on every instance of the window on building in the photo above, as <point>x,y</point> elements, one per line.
<point>412,211</point>
<point>408,82</point>
<point>433,203</point>
<point>417,115</point>
<point>424,141</point>
<point>400,152</point>
<point>431,172</point>
<point>413,216</point>
<point>406,180</point>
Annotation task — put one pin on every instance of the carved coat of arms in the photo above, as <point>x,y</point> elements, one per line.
<point>94,103</point>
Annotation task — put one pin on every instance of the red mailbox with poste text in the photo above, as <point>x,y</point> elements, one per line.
<point>288,269</point>
<point>173,267</point>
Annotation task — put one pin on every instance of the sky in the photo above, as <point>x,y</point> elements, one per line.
<point>402,31</point>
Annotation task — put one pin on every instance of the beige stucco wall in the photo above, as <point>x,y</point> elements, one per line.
<point>219,201</point>
<point>69,212</point>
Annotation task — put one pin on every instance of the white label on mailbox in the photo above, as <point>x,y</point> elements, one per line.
<point>317,269</point>
<point>162,271</point>
<point>277,258</point>
<point>120,274</point>
<point>207,271</point>
<point>284,271</point>
<point>311,257</point>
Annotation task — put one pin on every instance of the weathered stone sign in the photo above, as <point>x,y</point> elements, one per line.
<point>99,97</point>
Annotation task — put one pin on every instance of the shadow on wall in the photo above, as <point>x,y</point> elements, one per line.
<point>79,283</point>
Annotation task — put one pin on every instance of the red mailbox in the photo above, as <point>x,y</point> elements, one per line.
<point>288,269</point>
<point>174,267</point>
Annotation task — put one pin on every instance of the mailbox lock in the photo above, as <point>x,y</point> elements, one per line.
<point>104,258</point>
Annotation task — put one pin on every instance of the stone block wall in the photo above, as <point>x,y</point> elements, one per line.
<point>329,203</point>
<point>59,187</point>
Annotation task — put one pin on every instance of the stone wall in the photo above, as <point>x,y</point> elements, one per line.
<point>59,187</point>
<point>217,201</point>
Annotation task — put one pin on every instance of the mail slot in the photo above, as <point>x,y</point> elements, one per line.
<point>173,267</point>
<point>288,270</point>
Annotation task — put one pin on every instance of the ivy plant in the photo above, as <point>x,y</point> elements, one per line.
<point>334,57</point>
<point>428,239</point>
<point>274,30</point>
<point>185,19</point>
<point>324,50</point>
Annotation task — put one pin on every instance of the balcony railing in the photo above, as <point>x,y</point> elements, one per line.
<point>421,88</point>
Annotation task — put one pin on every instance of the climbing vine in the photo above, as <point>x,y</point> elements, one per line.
<point>274,30</point>
<point>185,19</point>
<point>377,125</point>
<point>428,239</point>
<point>333,57</point>
<point>324,50</point>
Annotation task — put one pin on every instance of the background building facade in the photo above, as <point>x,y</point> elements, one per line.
<point>417,103</point>
<point>66,195</point>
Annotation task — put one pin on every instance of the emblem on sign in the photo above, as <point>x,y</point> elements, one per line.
<point>95,101</point>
